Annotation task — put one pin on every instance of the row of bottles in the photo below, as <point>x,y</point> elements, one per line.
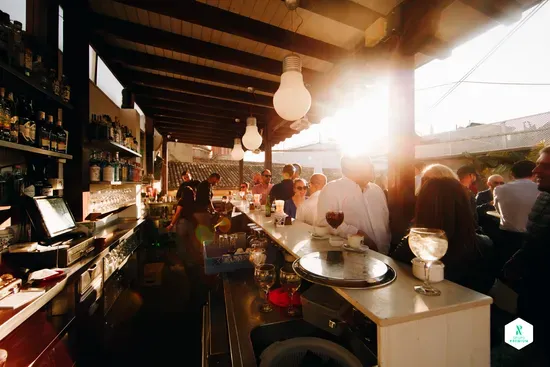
<point>102,127</point>
<point>19,124</point>
<point>106,168</point>
<point>16,51</point>
<point>31,182</point>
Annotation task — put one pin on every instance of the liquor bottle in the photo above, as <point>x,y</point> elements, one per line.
<point>18,46</point>
<point>95,169</point>
<point>42,131</point>
<point>40,73</point>
<point>268,207</point>
<point>53,134</point>
<point>65,90</point>
<point>124,172</point>
<point>9,115</point>
<point>4,116</point>
<point>56,86</point>
<point>28,61</point>
<point>28,182</point>
<point>108,171</point>
<point>5,34</point>
<point>116,167</point>
<point>61,137</point>
<point>47,188</point>
<point>14,120</point>
<point>24,125</point>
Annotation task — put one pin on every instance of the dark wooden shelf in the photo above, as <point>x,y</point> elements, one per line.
<point>111,146</point>
<point>34,84</point>
<point>35,150</point>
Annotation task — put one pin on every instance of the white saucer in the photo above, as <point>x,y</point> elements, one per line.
<point>316,237</point>
<point>363,249</point>
<point>336,241</point>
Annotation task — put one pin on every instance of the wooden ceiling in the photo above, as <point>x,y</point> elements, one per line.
<point>192,64</point>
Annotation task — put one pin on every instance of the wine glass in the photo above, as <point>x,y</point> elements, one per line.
<point>265,277</point>
<point>335,218</point>
<point>429,245</point>
<point>290,281</point>
<point>242,194</point>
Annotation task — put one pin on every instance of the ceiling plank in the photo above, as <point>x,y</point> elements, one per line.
<point>140,77</point>
<point>140,59</point>
<point>503,11</point>
<point>191,116</point>
<point>201,101</point>
<point>226,21</point>
<point>194,123</point>
<point>202,134</point>
<point>343,11</point>
<point>191,46</point>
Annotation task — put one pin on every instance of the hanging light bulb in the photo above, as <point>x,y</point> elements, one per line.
<point>237,153</point>
<point>252,138</point>
<point>292,100</point>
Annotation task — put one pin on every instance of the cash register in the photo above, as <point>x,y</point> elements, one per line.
<point>56,241</point>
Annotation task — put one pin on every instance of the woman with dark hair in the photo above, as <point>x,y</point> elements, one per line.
<point>442,203</point>
<point>292,204</point>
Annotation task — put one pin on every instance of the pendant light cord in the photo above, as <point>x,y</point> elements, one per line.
<point>294,32</point>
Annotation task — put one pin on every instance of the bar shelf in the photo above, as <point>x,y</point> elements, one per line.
<point>112,147</point>
<point>35,150</point>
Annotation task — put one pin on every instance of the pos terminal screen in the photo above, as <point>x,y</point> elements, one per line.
<point>55,214</point>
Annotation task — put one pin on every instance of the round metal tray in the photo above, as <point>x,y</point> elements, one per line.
<point>344,269</point>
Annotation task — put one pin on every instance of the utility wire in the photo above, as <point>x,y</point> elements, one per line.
<point>489,54</point>
<point>484,82</point>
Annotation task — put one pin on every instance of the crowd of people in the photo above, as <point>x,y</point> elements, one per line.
<point>500,233</point>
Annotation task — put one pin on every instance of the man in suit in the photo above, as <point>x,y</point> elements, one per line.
<point>486,196</point>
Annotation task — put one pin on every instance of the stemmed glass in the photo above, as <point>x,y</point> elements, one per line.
<point>290,281</point>
<point>242,194</point>
<point>335,218</point>
<point>264,275</point>
<point>429,245</point>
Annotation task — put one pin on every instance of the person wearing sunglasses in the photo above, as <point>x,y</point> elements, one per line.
<point>292,204</point>
<point>264,187</point>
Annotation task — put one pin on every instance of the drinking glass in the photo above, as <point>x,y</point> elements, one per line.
<point>257,256</point>
<point>242,194</point>
<point>290,281</point>
<point>335,218</point>
<point>429,245</point>
<point>265,277</point>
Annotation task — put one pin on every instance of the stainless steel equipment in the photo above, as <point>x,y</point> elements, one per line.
<point>344,269</point>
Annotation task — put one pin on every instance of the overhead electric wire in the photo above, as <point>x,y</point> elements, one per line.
<point>485,82</point>
<point>490,53</point>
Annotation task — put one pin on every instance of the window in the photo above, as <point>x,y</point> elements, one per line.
<point>107,82</point>
<point>17,9</point>
<point>60,28</point>
<point>92,64</point>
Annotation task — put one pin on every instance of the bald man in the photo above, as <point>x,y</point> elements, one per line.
<point>486,196</point>
<point>307,212</point>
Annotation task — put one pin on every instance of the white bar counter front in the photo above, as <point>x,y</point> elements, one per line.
<point>450,330</point>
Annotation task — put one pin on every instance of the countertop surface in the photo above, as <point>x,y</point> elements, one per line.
<point>394,303</point>
<point>10,319</point>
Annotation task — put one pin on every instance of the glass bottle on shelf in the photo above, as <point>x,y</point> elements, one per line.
<point>66,90</point>
<point>18,46</point>
<point>28,182</point>
<point>42,131</point>
<point>9,114</point>
<point>116,167</point>
<point>4,114</point>
<point>38,182</point>
<point>40,73</point>
<point>5,34</point>
<point>14,120</point>
<point>53,134</point>
<point>28,61</point>
<point>61,137</point>
<point>117,132</point>
<point>24,126</point>
<point>108,170</point>
<point>95,169</point>
<point>56,87</point>
<point>47,188</point>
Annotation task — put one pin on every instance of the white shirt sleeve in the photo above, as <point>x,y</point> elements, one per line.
<point>329,201</point>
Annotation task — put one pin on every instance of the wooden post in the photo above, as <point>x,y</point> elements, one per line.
<point>164,171</point>
<point>149,142</point>
<point>241,172</point>
<point>75,62</point>
<point>401,147</point>
<point>268,159</point>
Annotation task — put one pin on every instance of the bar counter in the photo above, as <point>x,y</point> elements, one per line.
<point>449,330</point>
<point>10,319</point>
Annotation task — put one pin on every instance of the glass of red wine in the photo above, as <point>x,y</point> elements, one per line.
<point>335,218</point>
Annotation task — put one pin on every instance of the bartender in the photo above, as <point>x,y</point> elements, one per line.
<point>204,208</point>
<point>183,221</point>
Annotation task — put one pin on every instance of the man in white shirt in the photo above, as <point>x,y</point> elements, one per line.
<point>363,203</point>
<point>307,212</point>
<point>515,199</point>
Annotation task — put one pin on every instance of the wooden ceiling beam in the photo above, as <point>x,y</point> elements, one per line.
<point>190,116</point>
<point>343,11</point>
<point>229,22</point>
<point>168,130</point>
<point>504,11</point>
<point>182,107</point>
<point>191,46</point>
<point>193,140</point>
<point>164,82</point>
<point>200,101</point>
<point>143,60</point>
<point>182,121</point>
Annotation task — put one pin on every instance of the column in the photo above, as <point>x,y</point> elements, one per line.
<point>149,142</point>
<point>164,171</point>
<point>401,145</point>
<point>268,156</point>
<point>241,172</point>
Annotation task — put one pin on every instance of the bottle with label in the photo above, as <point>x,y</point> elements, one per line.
<point>18,47</point>
<point>116,167</point>
<point>65,90</point>
<point>28,182</point>
<point>47,188</point>
<point>14,120</point>
<point>43,131</point>
<point>40,73</point>
<point>61,137</point>
<point>268,207</point>
<point>53,134</point>
<point>4,115</point>
<point>95,169</point>
<point>5,35</point>
<point>108,171</point>
<point>56,86</point>
<point>24,127</point>
<point>28,61</point>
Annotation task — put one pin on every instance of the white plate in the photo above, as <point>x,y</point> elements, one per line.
<point>354,249</point>
<point>336,241</point>
<point>317,237</point>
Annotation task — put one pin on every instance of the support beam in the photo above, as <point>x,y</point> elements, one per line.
<point>149,142</point>
<point>164,169</point>
<point>191,116</point>
<point>229,22</point>
<point>504,11</point>
<point>143,60</point>
<point>201,141</point>
<point>241,172</point>
<point>191,46</point>
<point>201,101</point>
<point>268,155</point>
<point>343,11</point>
<point>194,125</point>
<point>401,147</point>
<point>199,133</point>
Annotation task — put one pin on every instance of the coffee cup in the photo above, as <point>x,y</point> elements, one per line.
<point>356,241</point>
<point>319,231</point>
